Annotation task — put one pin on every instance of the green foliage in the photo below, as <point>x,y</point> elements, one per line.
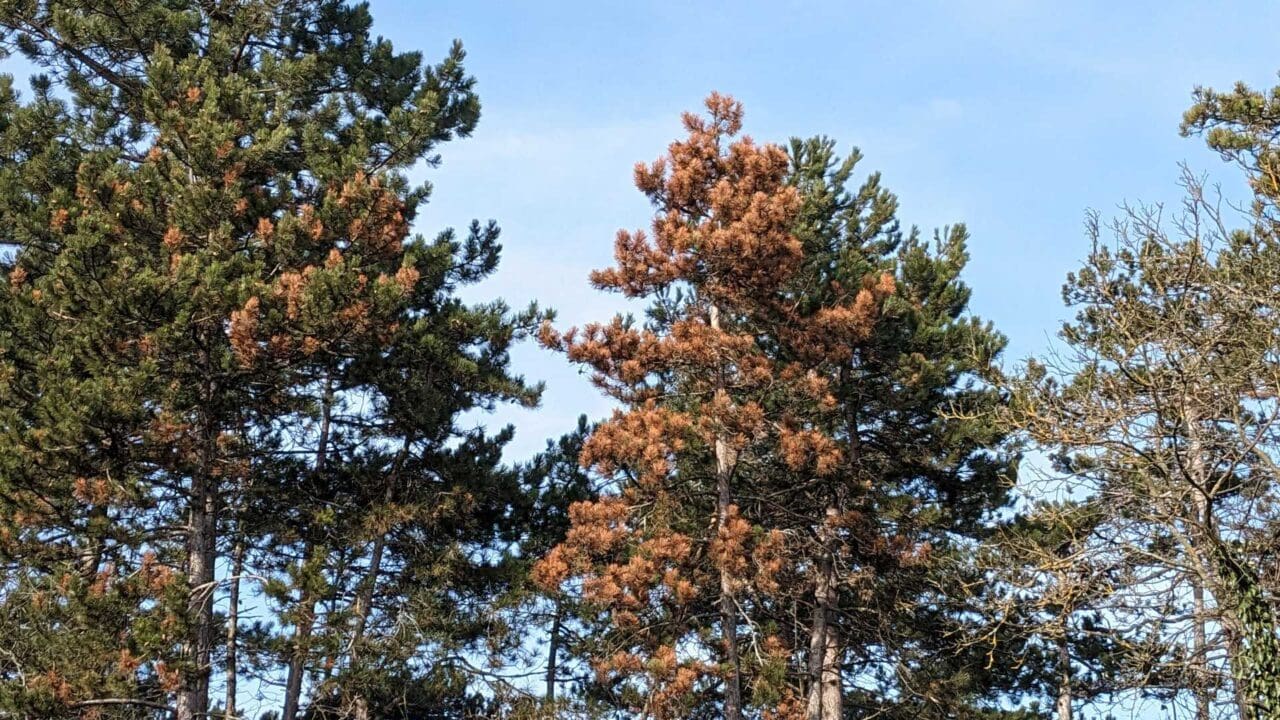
<point>219,332</point>
<point>1256,663</point>
<point>927,469</point>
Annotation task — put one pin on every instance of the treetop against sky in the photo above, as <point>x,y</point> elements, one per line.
<point>1012,117</point>
<point>762,361</point>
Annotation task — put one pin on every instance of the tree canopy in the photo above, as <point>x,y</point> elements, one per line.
<point>249,462</point>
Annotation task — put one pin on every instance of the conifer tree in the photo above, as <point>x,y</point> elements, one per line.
<point>857,498</point>
<point>225,359</point>
<point>892,528</point>
<point>1052,610</point>
<point>556,481</point>
<point>706,395</point>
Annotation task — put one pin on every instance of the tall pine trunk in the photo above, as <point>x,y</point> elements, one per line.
<point>553,652</point>
<point>369,584</point>
<point>231,665</point>
<point>193,695</point>
<point>233,628</point>
<point>826,651</point>
<point>306,623</point>
<point>201,548</point>
<point>728,606</point>
<point>725,460</point>
<point>817,645</point>
<point>826,695</point>
<point>89,559</point>
<point>1063,706</point>
<point>360,703</point>
<point>298,655</point>
<point>832,683</point>
<point>1234,648</point>
<point>1256,664</point>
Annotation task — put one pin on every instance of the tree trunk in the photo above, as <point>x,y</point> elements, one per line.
<point>364,599</point>
<point>1234,648</point>
<point>832,682</point>
<point>826,686</point>
<point>1254,654</point>
<point>302,635</point>
<point>553,652</point>
<point>1200,657</point>
<point>1256,666</point>
<point>233,627</point>
<point>725,460</point>
<point>89,559</point>
<point>728,607</point>
<point>360,703</point>
<point>1200,530</point>
<point>297,659</point>
<point>1063,706</point>
<point>192,701</point>
<point>826,650</point>
<point>193,695</point>
<point>817,645</point>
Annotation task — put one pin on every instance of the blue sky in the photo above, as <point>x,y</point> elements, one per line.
<point>1011,116</point>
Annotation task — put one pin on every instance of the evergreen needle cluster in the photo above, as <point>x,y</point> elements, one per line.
<point>241,473</point>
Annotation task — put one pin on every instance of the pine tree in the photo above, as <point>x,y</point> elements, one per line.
<point>719,379</point>
<point>556,631</point>
<point>222,348</point>
<point>841,382</point>
<point>1052,610</point>
<point>888,535</point>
